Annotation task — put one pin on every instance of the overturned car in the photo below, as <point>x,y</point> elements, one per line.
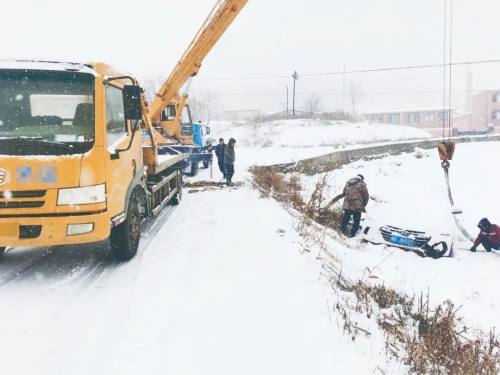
<point>406,239</point>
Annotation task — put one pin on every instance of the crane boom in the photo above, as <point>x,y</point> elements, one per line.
<point>219,19</point>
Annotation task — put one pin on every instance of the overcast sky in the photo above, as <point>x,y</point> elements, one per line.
<point>270,38</point>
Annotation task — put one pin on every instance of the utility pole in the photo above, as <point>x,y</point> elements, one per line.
<point>287,101</point>
<point>295,77</point>
<point>343,90</point>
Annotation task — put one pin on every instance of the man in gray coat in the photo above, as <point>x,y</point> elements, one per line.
<point>355,200</point>
<point>229,159</point>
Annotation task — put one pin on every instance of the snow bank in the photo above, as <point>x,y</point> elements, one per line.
<point>313,133</point>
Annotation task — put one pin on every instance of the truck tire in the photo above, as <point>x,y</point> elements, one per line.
<point>178,197</point>
<point>205,164</point>
<point>124,239</point>
<point>194,168</point>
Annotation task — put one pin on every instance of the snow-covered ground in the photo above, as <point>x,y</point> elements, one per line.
<point>313,133</point>
<point>410,192</point>
<point>219,287</point>
<point>222,285</point>
<point>293,140</point>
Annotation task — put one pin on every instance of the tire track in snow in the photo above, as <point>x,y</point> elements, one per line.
<point>99,272</point>
<point>72,266</point>
<point>24,268</point>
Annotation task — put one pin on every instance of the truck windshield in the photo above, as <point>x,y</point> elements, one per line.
<point>46,112</point>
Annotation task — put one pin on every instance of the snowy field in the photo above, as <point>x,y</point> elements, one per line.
<point>293,140</point>
<point>313,133</point>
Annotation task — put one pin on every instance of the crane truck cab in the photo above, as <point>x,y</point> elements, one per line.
<point>177,122</point>
<point>72,168</point>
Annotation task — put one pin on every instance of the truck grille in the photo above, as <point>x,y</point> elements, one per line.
<point>23,194</point>
<point>21,204</point>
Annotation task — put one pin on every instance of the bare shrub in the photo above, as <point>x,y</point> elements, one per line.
<point>439,346</point>
<point>274,184</point>
<point>429,341</point>
<point>317,198</point>
<point>278,186</point>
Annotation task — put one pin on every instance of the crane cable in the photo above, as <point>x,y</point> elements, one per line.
<point>444,65</point>
<point>447,147</point>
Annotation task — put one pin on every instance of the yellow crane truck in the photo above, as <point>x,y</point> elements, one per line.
<point>82,159</point>
<point>170,110</point>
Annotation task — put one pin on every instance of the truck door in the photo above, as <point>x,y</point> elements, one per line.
<point>119,171</point>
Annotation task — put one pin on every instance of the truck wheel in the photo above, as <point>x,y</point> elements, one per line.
<point>194,168</point>
<point>125,237</point>
<point>205,164</point>
<point>178,197</point>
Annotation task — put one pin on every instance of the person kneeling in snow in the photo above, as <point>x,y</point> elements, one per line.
<point>355,200</point>
<point>489,236</point>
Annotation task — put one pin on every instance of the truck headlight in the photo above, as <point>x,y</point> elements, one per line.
<point>82,195</point>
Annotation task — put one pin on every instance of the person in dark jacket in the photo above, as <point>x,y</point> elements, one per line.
<point>489,236</point>
<point>229,159</point>
<point>219,152</point>
<point>355,200</point>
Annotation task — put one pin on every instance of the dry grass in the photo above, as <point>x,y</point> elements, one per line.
<point>430,341</point>
<point>289,190</point>
<point>278,186</point>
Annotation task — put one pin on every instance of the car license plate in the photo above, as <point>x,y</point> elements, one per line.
<point>405,241</point>
<point>9,230</point>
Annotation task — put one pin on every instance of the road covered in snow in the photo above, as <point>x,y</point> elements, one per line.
<point>221,285</point>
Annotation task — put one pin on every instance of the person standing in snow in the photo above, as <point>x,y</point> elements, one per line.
<point>355,200</point>
<point>198,134</point>
<point>489,236</point>
<point>219,152</point>
<point>229,159</point>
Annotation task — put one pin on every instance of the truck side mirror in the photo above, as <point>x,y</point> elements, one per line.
<point>207,129</point>
<point>132,102</point>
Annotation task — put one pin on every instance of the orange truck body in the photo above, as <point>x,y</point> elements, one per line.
<point>32,211</point>
<point>82,157</point>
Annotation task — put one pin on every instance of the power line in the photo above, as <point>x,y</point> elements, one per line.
<point>372,70</point>
<point>440,92</point>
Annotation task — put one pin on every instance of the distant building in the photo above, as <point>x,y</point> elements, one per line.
<point>463,122</point>
<point>420,118</point>
<point>484,116</point>
<point>486,109</point>
<point>241,115</point>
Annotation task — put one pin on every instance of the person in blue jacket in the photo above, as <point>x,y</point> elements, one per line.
<point>198,134</point>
